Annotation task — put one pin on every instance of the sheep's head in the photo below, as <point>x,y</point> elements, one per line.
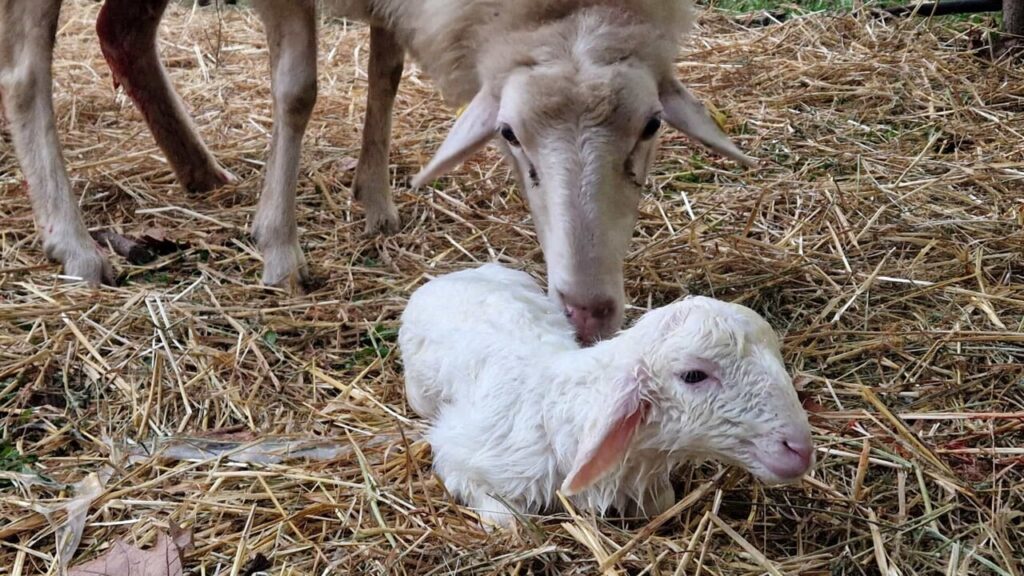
<point>704,379</point>
<point>577,106</point>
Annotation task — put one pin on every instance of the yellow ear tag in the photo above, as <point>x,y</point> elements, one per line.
<point>461,109</point>
<point>717,115</point>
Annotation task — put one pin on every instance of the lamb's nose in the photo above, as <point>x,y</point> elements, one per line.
<point>802,448</point>
<point>591,318</point>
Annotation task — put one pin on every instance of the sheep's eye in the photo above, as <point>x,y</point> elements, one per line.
<point>651,128</point>
<point>694,376</point>
<point>509,135</point>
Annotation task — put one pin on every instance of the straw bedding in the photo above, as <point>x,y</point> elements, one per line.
<point>884,239</point>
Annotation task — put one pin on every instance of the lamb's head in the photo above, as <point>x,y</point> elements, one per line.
<point>702,379</point>
<point>576,106</point>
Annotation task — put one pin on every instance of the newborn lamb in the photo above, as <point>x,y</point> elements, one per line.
<point>519,410</point>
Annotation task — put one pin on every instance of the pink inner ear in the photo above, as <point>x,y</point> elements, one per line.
<point>608,453</point>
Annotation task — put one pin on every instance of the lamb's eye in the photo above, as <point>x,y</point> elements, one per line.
<point>651,128</point>
<point>509,135</point>
<point>694,376</point>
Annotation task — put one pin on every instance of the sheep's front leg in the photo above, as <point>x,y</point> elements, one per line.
<point>492,512</point>
<point>291,36</point>
<point>372,187</point>
<point>659,498</point>
<point>27,33</point>
<point>127,32</point>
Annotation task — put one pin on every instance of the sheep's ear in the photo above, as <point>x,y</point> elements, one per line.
<point>685,113</point>
<point>601,453</point>
<point>473,128</point>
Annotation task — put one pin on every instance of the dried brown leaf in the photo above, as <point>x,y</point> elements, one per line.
<point>165,558</point>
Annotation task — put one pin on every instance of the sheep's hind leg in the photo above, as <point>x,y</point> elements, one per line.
<point>127,31</point>
<point>27,34</point>
<point>371,186</point>
<point>291,36</point>
<point>493,512</point>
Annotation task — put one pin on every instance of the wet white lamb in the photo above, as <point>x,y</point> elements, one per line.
<point>520,411</point>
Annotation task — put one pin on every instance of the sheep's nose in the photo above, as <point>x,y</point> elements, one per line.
<point>802,449</point>
<point>591,318</point>
<point>791,457</point>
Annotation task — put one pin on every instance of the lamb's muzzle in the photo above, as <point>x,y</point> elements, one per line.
<point>518,410</point>
<point>789,456</point>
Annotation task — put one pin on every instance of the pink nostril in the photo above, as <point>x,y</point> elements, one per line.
<point>788,457</point>
<point>801,448</point>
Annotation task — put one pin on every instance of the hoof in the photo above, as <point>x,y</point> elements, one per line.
<point>294,284</point>
<point>91,266</point>
<point>375,195</point>
<point>208,179</point>
<point>382,221</point>
<point>80,257</point>
<point>285,268</point>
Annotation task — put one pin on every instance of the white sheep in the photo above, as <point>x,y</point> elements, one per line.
<point>519,410</point>
<point>574,92</point>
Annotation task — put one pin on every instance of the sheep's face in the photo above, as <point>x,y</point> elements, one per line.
<point>719,389</point>
<point>577,106</point>
<point>702,379</point>
<point>581,142</point>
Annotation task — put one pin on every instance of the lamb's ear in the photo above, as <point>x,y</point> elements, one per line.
<point>474,127</point>
<point>601,453</point>
<point>685,113</point>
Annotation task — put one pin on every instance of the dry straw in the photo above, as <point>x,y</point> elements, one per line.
<point>883,238</point>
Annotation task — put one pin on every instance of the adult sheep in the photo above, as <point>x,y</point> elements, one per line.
<point>576,89</point>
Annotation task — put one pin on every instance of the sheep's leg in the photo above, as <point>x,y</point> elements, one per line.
<point>127,31</point>
<point>291,35</point>
<point>455,439</point>
<point>492,511</point>
<point>372,187</point>
<point>27,34</point>
<point>658,498</point>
